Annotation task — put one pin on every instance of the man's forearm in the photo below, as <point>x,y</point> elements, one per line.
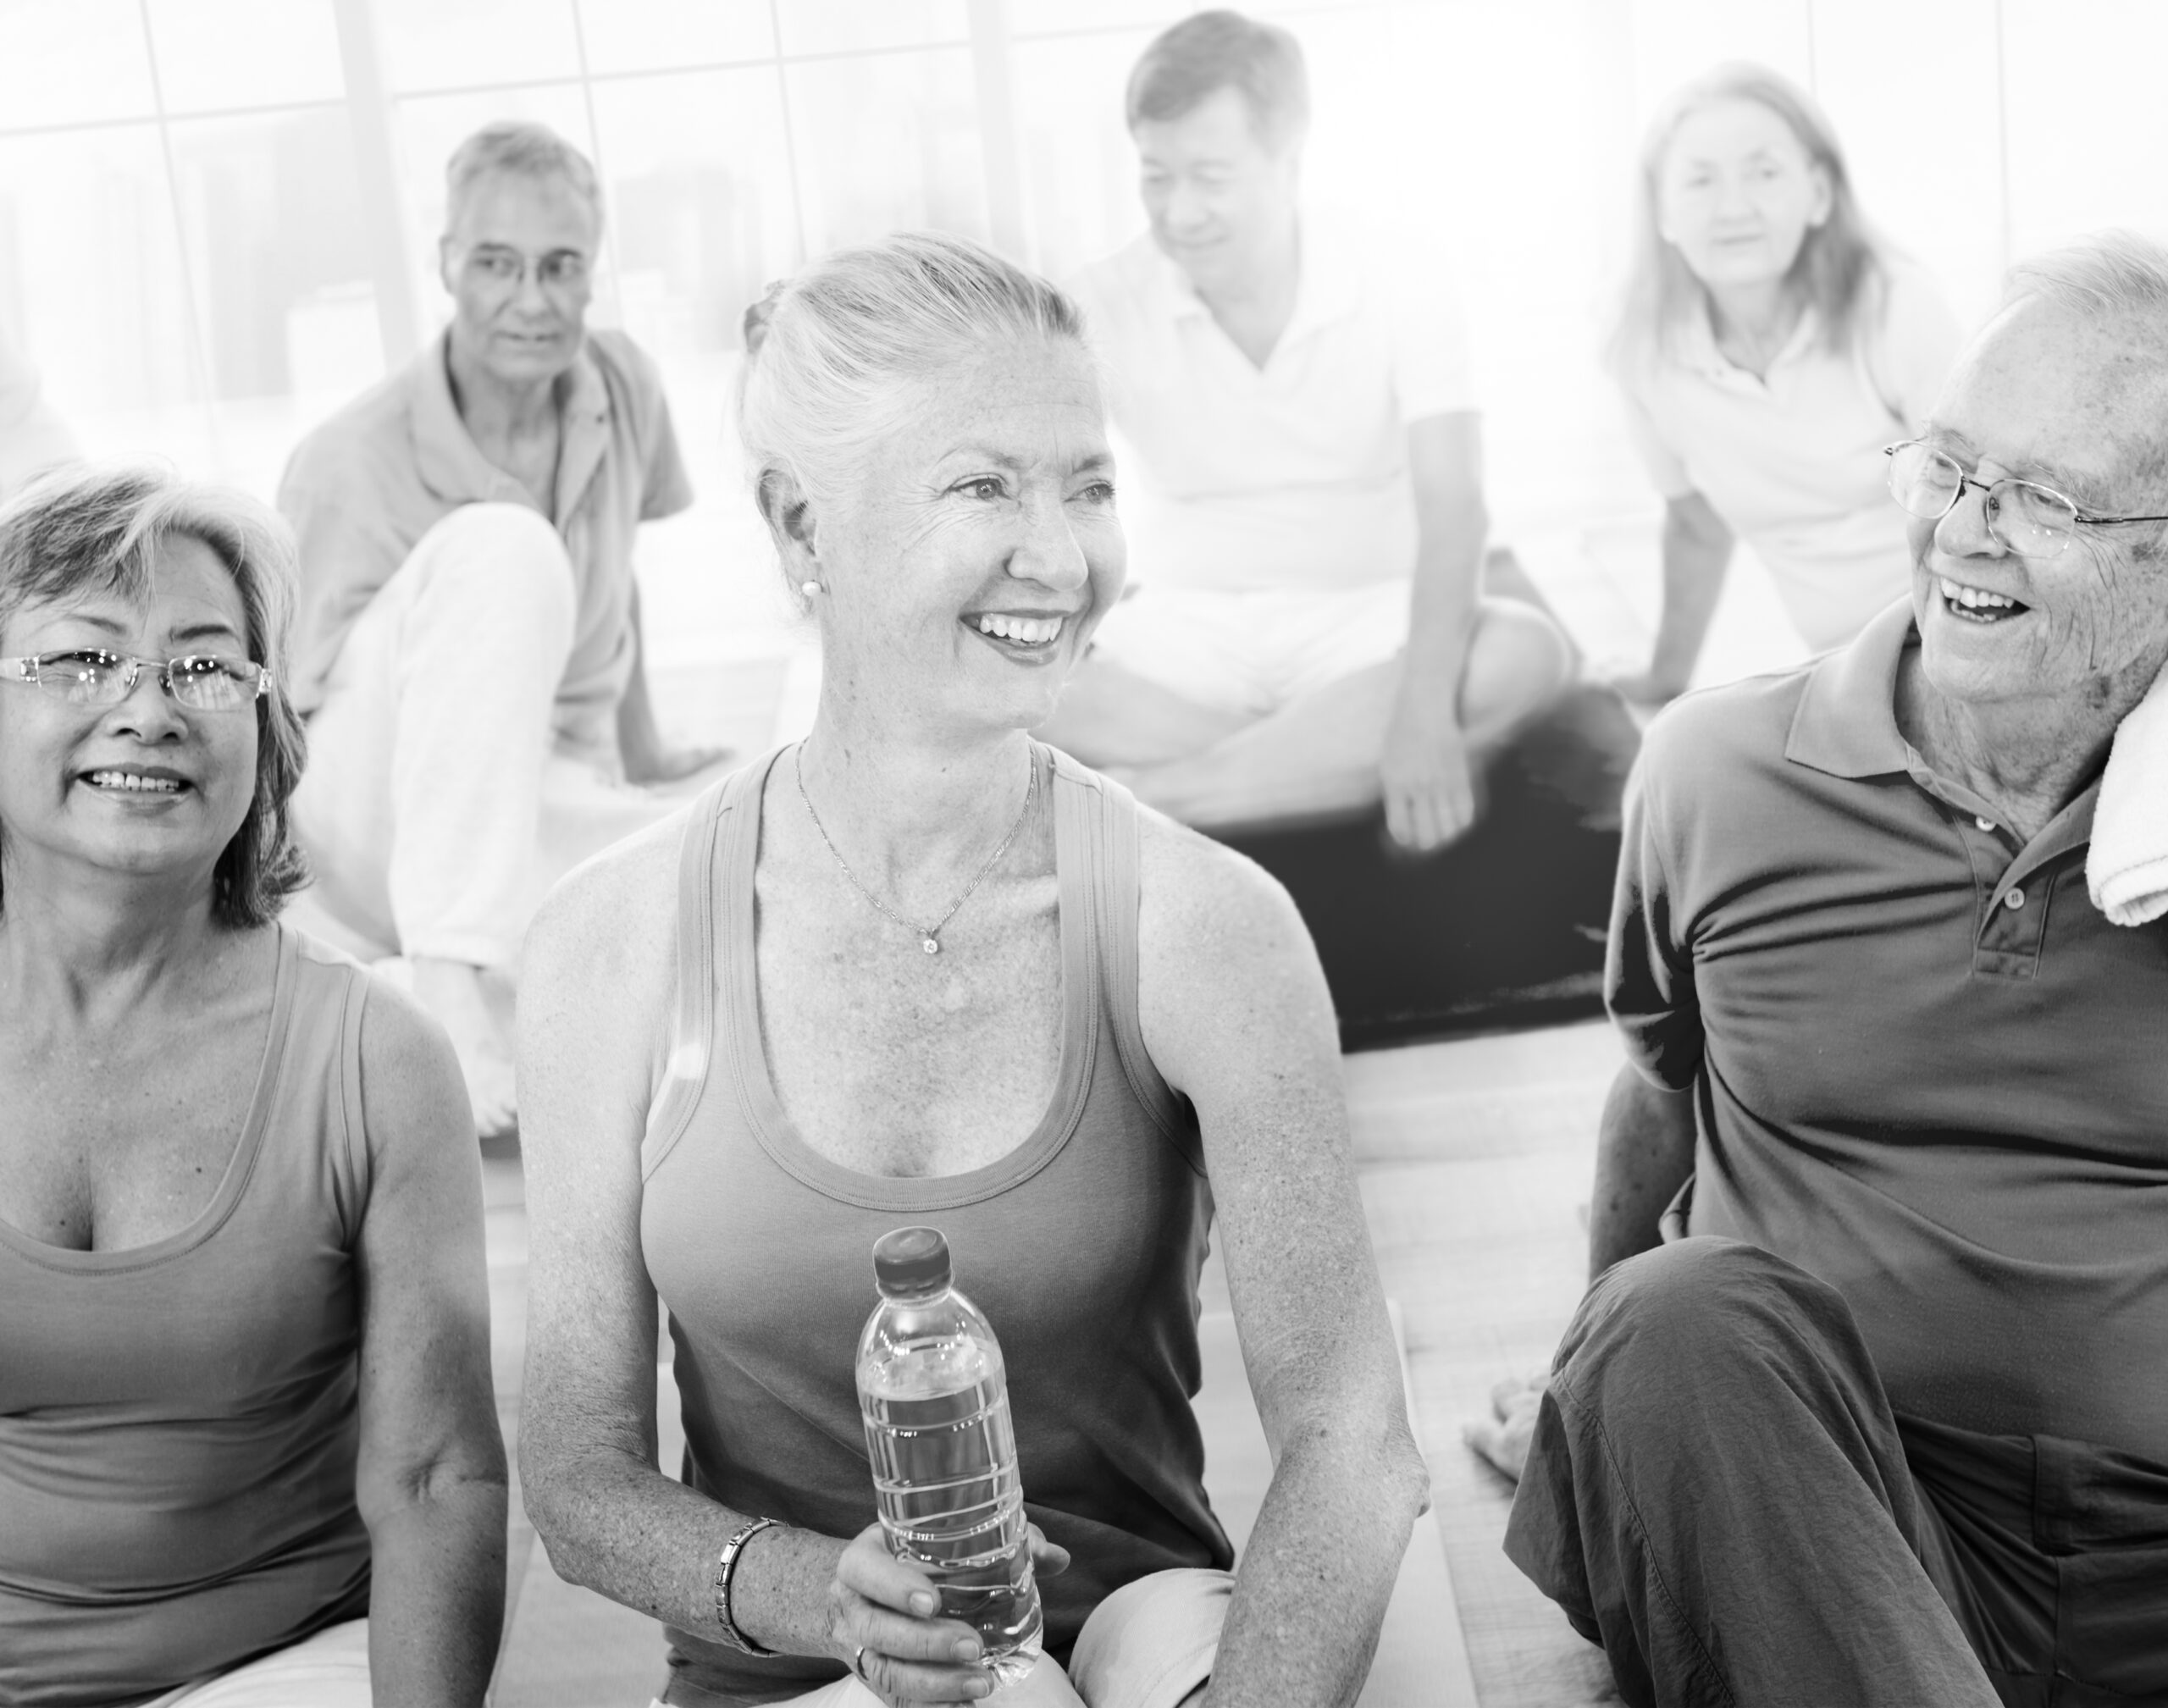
<point>1442,601</point>
<point>1644,1150</point>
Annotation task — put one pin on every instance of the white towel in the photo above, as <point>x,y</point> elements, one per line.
<point>2127,868</point>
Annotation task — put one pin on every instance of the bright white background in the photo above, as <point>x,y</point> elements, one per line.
<point>218,217</point>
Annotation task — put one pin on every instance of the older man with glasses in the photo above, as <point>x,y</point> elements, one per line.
<point>467,648</point>
<point>1868,1402</point>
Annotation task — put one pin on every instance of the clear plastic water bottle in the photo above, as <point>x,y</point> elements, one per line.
<point>934,1395</point>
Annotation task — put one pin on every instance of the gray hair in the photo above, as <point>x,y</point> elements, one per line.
<point>832,353</point>
<point>520,149</point>
<point>89,529</point>
<point>2117,281</point>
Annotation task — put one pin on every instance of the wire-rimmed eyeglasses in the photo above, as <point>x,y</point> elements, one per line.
<point>90,677</point>
<point>2026,517</point>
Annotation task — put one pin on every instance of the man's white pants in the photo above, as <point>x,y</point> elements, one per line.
<point>329,1670</point>
<point>440,803</point>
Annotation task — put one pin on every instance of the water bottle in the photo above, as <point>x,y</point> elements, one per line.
<point>934,1396</point>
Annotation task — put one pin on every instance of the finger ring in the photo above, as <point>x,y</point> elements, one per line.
<point>858,1664</point>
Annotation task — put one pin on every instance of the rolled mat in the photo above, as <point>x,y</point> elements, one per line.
<point>1503,928</point>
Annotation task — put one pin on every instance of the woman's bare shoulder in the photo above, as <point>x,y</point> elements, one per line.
<point>610,916</point>
<point>1198,897</point>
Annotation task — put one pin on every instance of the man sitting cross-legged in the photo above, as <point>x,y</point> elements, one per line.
<point>1306,519</point>
<point>468,647</point>
<point>1884,1420</point>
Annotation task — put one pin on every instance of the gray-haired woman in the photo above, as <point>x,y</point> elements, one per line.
<point>248,1450</point>
<point>922,968</point>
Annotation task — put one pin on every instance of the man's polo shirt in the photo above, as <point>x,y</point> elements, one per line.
<point>366,485</point>
<point>1925,1068</point>
<point>1792,460</point>
<point>1293,476</point>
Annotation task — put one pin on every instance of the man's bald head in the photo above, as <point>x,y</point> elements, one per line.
<point>2112,290</point>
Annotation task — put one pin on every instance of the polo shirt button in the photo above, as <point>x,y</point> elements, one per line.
<point>2014,900</point>
<point>1985,824</point>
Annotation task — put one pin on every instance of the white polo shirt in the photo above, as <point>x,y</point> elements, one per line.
<point>1293,476</point>
<point>1792,461</point>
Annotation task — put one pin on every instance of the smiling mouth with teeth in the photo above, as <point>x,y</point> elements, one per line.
<point>129,782</point>
<point>1977,604</point>
<point>1019,631</point>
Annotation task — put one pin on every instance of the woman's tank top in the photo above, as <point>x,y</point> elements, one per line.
<point>178,1422</point>
<point>1082,1245</point>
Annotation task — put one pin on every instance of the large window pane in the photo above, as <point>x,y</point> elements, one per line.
<point>1905,154</point>
<point>425,131</point>
<point>72,62</point>
<point>272,221</point>
<point>830,26</point>
<point>90,269</point>
<point>226,53</point>
<point>1080,166</point>
<point>699,201</point>
<point>454,44</point>
<point>2087,128</point>
<point>1037,17</point>
<point>664,35</point>
<point>886,143</point>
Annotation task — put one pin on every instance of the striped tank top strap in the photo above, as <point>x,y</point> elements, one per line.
<point>692,1024</point>
<point>1108,814</point>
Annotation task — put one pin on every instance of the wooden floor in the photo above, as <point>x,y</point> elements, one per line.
<point>1474,1159</point>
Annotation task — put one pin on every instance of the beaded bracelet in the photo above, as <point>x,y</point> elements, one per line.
<point>726,1563</point>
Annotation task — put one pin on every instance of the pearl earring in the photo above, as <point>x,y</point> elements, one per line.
<point>809,588</point>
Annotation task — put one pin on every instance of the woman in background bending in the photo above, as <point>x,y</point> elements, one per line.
<point>1770,346</point>
<point>249,1455</point>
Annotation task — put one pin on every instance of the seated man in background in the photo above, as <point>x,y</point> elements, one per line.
<point>468,647</point>
<point>1885,1421</point>
<point>1307,516</point>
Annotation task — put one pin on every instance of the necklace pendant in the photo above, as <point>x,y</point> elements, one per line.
<point>932,946</point>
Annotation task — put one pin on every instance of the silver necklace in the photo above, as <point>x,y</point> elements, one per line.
<point>929,937</point>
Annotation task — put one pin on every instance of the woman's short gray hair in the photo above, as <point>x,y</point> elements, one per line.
<point>83,530</point>
<point>832,352</point>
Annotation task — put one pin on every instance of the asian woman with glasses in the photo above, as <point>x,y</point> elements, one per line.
<point>248,1446</point>
<point>1769,346</point>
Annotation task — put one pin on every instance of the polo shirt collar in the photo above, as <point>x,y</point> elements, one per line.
<point>1846,727</point>
<point>453,466</point>
<point>1846,724</point>
<point>1326,288</point>
<point>1697,346</point>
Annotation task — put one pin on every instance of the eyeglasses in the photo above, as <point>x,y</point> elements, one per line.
<point>2026,517</point>
<point>203,682</point>
<point>505,268</point>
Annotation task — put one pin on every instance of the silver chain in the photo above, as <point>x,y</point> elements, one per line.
<point>929,937</point>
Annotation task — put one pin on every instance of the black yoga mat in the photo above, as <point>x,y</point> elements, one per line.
<point>1502,928</point>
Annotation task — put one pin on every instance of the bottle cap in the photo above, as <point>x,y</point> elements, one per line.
<point>911,1260</point>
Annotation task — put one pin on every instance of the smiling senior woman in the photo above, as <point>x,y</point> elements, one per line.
<point>248,1451</point>
<point>927,969</point>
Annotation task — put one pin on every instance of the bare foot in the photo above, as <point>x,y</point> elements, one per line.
<point>1502,1438</point>
<point>453,992</point>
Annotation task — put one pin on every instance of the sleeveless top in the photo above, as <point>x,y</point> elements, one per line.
<point>178,1421</point>
<point>1082,1245</point>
